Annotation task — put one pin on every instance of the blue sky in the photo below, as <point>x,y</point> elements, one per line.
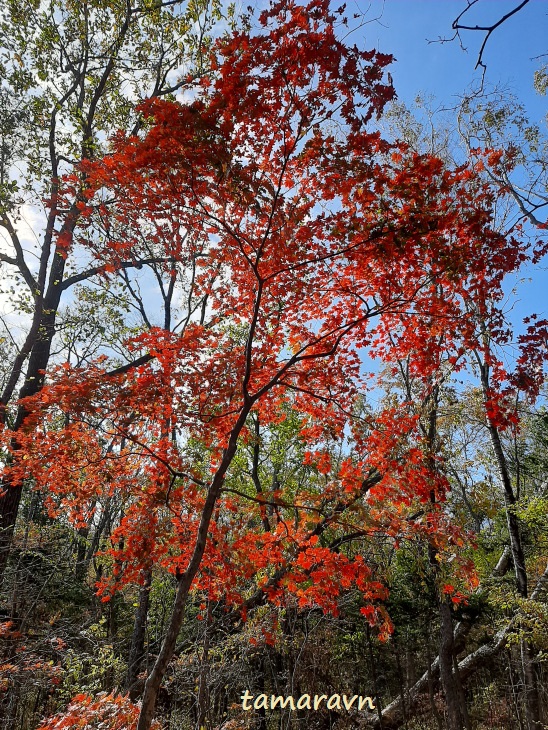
<point>405,27</point>
<point>444,70</point>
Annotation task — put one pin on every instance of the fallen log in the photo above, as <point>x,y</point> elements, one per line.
<point>393,715</point>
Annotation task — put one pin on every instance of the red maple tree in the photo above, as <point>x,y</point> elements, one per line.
<point>308,240</point>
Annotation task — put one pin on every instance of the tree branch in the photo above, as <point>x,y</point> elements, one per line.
<point>84,275</point>
<point>487,29</point>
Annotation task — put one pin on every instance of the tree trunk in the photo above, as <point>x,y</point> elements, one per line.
<point>375,677</point>
<point>446,656</point>
<point>203,693</point>
<point>530,682</point>
<point>462,695</point>
<point>45,316</point>
<point>401,679</point>
<point>185,579</point>
<point>9,507</point>
<point>510,508</point>
<point>514,688</point>
<point>136,651</point>
<point>530,686</point>
<point>430,679</point>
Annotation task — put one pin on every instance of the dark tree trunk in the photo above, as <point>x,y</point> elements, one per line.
<point>203,692</point>
<point>446,657</point>
<point>262,723</point>
<point>532,700</point>
<point>514,693</point>
<point>375,676</point>
<point>155,678</point>
<point>38,361</point>
<point>137,647</point>
<point>462,695</point>
<point>431,678</point>
<point>401,679</point>
<point>9,507</point>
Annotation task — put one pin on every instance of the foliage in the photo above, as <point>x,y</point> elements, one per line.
<point>254,210</point>
<point>227,454</point>
<point>108,711</point>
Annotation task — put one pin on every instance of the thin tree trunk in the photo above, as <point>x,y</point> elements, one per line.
<point>462,695</point>
<point>532,702</point>
<point>514,691</point>
<point>9,507</point>
<point>137,648</point>
<point>82,535</point>
<point>446,639</point>
<point>374,674</point>
<point>446,656</point>
<point>401,679</point>
<point>262,724</point>
<point>185,580</point>
<point>430,676</point>
<point>510,508</point>
<point>531,698</point>
<point>104,524</point>
<point>203,694</point>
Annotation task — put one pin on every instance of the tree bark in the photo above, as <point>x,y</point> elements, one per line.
<point>203,692</point>
<point>138,636</point>
<point>34,379</point>
<point>446,658</point>
<point>185,579</point>
<point>530,682</point>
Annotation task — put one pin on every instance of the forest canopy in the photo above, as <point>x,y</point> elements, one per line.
<point>269,427</point>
